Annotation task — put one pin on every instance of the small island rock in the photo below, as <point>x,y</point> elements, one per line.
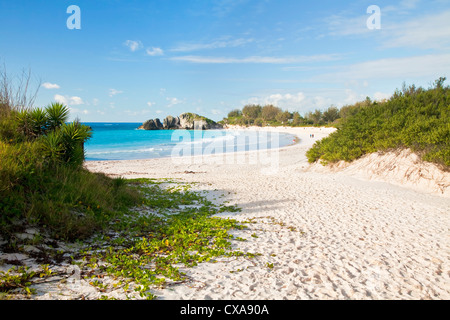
<point>187,121</point>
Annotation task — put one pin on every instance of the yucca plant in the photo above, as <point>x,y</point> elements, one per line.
<point>39,121</point>
<point>57,115</point>
<point>36,122</point>
<point>74,136</point>
<point>25,123</point>
<point>65,143</point>
<point>53,147</point>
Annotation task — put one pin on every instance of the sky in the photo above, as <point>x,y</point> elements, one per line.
<point>134,60</point>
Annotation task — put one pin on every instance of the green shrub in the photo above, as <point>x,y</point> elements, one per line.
<point>42,180</point>
<point>413,118</point>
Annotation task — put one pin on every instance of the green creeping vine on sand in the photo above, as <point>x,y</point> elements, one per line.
<point>144,247</point>
<point>146,250</point>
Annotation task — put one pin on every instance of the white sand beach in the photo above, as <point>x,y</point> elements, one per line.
<point>353,233</point>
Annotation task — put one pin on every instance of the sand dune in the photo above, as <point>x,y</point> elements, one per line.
<point>322,234</point>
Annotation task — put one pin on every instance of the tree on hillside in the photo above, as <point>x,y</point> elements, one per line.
<point>297,119</point>
<point>234,113</point>
<point>270,112</point>
<point>283,117</point>
<point>252,111</point>
<point>331,114</point>
<point>315,117</point>
<point>439,83</point>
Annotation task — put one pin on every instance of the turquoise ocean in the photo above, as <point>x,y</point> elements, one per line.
<point>123,141</point>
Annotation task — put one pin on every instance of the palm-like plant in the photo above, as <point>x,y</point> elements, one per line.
<point>74,136</point>
<point>53,147</point>
<point>39,121</point>
<point>75,132</point>
<point>57,115</point>
<point>61,142</point>
<point>25,122</point>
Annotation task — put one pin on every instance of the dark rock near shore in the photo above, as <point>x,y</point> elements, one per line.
<point>187,121</point>
<point>152,125</point>
<point>171,123</point>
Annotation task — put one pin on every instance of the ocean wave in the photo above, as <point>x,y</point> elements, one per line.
<point>214,139</point>
<point>90,153</point>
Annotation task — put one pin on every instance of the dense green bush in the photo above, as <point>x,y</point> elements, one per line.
<point>42,180</point>
<point>413,118</point>
<point>60,141</point>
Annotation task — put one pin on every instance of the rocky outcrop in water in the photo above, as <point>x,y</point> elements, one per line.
<point>152,125</point>
<point>187,121</point>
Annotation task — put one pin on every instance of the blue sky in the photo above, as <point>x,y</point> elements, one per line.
<point>135,60</point>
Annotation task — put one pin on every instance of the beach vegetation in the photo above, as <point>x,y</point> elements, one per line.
<point>414,118</point>
<point>252,111</point>
<point>42,180</point>
<point>270,112</point>
<point>144,251</point>
<point>270,115</point>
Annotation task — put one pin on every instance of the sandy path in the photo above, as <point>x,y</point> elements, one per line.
<point>321,235</point>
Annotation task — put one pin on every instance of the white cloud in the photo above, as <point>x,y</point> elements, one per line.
<point>429,32</point>
<point>70,101</point>
<point>433,65</point>
<point>217,112</point>
<point>150,104</point>
<point>75,101</point>
<point>379,96</point>
<point>352,97</point>
<point>113,92</point>
<point>340,25</point>
<point>137,113</point>
<point>221,43</point>
<point>409,4</point>
<point>257,59</point>
<point>61,99</point>
<point>222,8</point>
<point>284,101</point>
<point>133,45</point>
<point>173,102</point>
<point>48,85</point>
<point>424,32</point>
<point>155,52</point>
